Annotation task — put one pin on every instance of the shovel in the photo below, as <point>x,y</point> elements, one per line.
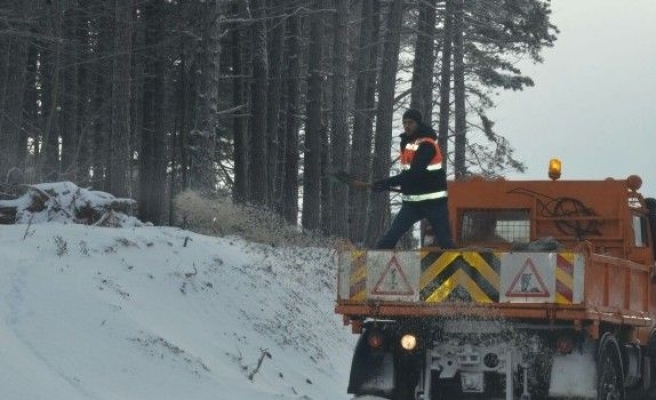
<point>345,177</point>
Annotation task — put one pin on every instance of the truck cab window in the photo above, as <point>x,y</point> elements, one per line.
<point>494,226</point>
<point>651,211</point>
<point>639,231</point>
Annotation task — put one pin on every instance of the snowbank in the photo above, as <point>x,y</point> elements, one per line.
<point>153,313</point>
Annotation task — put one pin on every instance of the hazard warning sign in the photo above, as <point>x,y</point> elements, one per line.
<point>394,275</point>
<point>528,282</point>
<point>393,280</point>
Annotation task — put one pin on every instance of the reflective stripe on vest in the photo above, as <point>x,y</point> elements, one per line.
<point>426,196</point>
<point>432,167</point>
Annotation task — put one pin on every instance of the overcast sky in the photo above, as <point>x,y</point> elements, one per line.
<point>594,101</point>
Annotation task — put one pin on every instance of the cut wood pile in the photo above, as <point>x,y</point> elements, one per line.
<point>64,202</point>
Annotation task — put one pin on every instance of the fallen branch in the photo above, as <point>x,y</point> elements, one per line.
<point>107,215</point>
<point>48,196</point>
<point>265,353</point>
<point>29,224</point>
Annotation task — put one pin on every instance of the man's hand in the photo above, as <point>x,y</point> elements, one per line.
<point>405,139</point>
<point>380,186</point>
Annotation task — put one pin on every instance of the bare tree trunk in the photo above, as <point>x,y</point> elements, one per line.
<point>188,92</point>
<point>379,214</point>
<point>279,182</point>
<point>274,100</point>
<point>100,129</point>
<point>119,152</point>
<point>30,113</point>
<point>239,133</point>
<point>424,61</point>
<point>362,118</point>
<point>87,102</point>
<point>327,195</point>
<point>445,84</point>
<point>136,94</point>
<point>257,165</point>
<point>5,49</point>
<point>203,171</point>
<point>102,95</point>
<point>50,62</point>
<point>177,161</point>
<point>311,218</point>
<point>422,74</point>
<point>289,205</point>
<point>459,167</point>
<point>70,94</point>
<point>81,159</point>
<point>48,166</point>
<point>340,132</point>
<point>153,157</point>
<point>12,91</point>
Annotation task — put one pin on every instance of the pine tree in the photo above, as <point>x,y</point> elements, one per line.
<point>311,217</point>
<point>424,61</point>
<point>276,43</point>
<point>257,161</point>
<point>119,149</point>
<point>340,131</point>
<point>153,156</point>
<point>13,79</point>
<point>289,173</point>
<point>379,214</point>
<point>365,90</point>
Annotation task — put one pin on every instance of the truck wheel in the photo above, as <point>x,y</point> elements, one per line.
<point>610,376</point>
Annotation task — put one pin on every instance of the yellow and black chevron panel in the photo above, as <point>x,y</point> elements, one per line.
<point>463,276</point>
<point>358,278</point>
<point>565,278</point>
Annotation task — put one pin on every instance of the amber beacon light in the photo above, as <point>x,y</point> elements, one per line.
<point>554,168</point>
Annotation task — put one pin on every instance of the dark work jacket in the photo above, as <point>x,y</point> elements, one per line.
<point>417,180</point>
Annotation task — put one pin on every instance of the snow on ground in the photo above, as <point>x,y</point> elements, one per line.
<point>161,313</point>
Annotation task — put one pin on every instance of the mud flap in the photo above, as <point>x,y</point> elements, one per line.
<point>372,372</point>
<point>574,374</point>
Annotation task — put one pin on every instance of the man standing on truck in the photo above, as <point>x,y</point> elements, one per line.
<point>423,184</point>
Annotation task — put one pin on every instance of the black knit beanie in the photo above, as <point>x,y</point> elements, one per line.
<point>412,114</point>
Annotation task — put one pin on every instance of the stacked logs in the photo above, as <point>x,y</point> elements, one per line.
<point>61,202</point>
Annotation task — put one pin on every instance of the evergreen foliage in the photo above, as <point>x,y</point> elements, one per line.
<point>262,99</point>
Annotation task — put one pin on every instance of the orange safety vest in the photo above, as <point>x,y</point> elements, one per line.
<point>433,182</point>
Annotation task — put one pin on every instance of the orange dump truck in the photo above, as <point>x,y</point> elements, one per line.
<point>550,294</point>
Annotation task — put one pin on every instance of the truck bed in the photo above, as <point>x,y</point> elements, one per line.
<point>576,286</point>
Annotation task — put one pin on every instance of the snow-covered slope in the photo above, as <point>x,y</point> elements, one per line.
<point>161,313</point>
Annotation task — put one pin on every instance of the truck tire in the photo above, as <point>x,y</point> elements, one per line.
<point>610,374</point>
<point>646,389</point>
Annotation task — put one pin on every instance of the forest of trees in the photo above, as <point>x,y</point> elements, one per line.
<point>260,100</point>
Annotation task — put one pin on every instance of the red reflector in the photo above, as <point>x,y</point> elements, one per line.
<point>375,340</point>
<point>564,344</point>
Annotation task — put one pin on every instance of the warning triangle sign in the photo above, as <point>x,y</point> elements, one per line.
<point>393,281</point>
<point>528,283</point>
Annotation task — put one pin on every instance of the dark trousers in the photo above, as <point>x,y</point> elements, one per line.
<point>437,213</point>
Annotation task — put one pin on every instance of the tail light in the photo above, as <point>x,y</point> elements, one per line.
<point>375,339</point>
<point>564,344</point>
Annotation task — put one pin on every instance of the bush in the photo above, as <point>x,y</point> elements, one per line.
<point>221,217</point>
